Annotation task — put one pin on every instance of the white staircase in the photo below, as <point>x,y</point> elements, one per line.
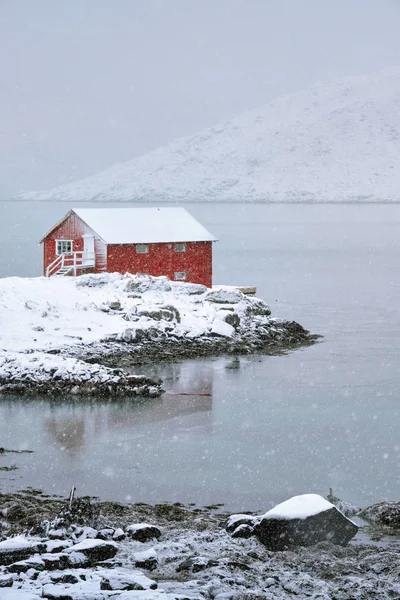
<point>63,271</point>
<point>67,264</point>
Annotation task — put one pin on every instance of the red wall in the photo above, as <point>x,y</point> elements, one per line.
<point>160,260</point>
<point>163,260</point>
<point>72,228</point>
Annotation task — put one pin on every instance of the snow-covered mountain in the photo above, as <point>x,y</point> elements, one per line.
<point>337,141</point>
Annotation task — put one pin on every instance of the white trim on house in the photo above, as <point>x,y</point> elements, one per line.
<point>63,247</point>
<point>55,226</point>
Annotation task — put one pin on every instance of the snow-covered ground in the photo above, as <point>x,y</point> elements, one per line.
<point>336,141</point>
<point>41,314</point>
<point>48,325</point>
<point>182,555</point>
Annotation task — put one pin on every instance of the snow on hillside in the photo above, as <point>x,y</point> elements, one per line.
<point>337,141</point>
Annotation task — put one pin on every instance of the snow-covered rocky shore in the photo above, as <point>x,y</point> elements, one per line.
<point>83,550</point>
<point>51,329</point>
<point>40,373</point>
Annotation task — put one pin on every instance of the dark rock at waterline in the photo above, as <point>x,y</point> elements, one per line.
<point>118,385</point>
<point>386,514</point>
<point>285,533</point>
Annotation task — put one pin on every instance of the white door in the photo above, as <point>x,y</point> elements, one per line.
<point>88,250</point>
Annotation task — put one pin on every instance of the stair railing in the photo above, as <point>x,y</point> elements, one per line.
<point>74,261</point>
<point>56,265</point>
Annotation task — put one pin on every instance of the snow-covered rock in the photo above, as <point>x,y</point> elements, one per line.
<point>146,559</point>
<point>225,295</point>
<point>304,521</point>
<point>20,595</point>
<point>6,581</point>
<point>222,328</point>
<point>347,508</point>
<point>335,141</point>
<point>143,532</point>
<point>235,520</point>
<point>94,550</point>
<point>383,513</point>
<point>196,564</point>
<point>123,579</point>
<point>38,372</point>
<point>56,546</point>
<point>17,548</point>
<point>148,595</point>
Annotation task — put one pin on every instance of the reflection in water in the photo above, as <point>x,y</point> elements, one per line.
<point>72,423</point>
<point>274,427</point>
<point>95,441</point>
<point>67,432</point>
<point>192,379</point>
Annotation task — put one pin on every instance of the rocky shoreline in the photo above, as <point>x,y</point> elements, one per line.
<point>277,338</point>
<point>113,321</point>
<point>38,374</point>
<point>81,549</point>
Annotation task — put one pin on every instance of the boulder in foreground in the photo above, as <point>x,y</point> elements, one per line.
<point>304,521</point>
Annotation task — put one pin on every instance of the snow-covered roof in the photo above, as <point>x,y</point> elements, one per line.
<point>144,225</point>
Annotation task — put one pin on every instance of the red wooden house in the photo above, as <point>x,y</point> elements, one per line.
<point>156,241</point>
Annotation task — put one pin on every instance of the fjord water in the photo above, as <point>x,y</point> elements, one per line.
<point>251,431</point>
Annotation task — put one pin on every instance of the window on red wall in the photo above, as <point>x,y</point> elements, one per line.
<point>180,275</point>
<point>63,247</point>
<point>142,248</point>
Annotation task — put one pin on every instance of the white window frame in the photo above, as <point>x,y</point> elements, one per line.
<point>180,247</point>
<point>180,276</point>
<point>61,242</point>
<point>142,248</point>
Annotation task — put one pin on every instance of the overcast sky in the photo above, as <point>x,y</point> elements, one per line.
<point>88,83</point>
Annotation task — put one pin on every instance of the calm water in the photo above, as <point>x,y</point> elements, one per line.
<point>252,432</point>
